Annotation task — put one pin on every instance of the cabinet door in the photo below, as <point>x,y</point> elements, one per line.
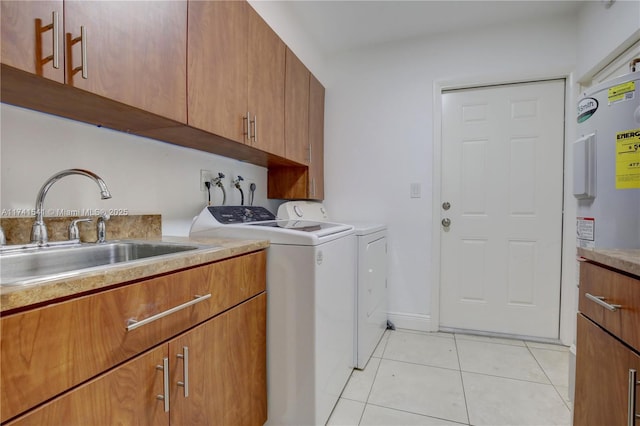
<point>602,377</point>
<point>217,68</point>
<point>266,85</point>
<point>135,52</point>
<point>126,395</point>
<point>296,117</point>
<point>225,369</point>
<point>316,139</point>
<point>28,37</point>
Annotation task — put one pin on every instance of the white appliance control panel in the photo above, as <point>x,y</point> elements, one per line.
<point>307,210</point>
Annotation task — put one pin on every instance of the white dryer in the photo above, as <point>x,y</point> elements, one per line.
<point>371,301</point>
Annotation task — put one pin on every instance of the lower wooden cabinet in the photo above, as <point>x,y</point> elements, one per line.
<point>607,348</point>
<point>214,374</point>
<point>84,361</point>
<point>603,387</point>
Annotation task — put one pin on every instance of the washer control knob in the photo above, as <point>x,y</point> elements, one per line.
<point>298,210</point>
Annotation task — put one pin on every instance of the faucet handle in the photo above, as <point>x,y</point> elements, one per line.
<point>74,233</point>
<point>102,227</point>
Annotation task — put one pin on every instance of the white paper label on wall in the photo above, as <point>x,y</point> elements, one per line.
<point>585,229</point>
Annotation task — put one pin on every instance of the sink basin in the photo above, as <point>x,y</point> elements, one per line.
<point>23,266</point>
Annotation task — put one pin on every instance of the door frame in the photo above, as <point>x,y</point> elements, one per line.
<point>568,274</point>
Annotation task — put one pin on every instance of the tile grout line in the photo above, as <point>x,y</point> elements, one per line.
<point>375,375</point>
<point>464,393</point>
<point>547,376</point>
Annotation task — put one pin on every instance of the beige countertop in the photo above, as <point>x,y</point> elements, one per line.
<point>41,291</point>
<point>624,260</point>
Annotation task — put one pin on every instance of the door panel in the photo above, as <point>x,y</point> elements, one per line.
<point>28,37</point>
<point>150,72</point>
<point>502,171</point>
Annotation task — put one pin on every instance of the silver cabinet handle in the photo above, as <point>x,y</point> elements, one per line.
<point>55,55</point>
<point>132,323</point>
<point>247,133</point>
<point>255,129</point>
<point>446,222</point>
<point>165,385</point>
<point>631,405</point>
<point>83,52</point>
<point>83,35</point>
<point>600,301</point>
<point>185,370</point>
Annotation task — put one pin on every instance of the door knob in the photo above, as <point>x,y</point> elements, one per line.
<point>446,222</point>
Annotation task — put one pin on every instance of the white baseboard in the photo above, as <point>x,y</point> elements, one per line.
<point>417,322</point>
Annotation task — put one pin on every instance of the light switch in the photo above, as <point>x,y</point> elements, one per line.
<point>415,190</point>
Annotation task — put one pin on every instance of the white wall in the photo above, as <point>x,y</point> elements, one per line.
<point>379,134</point>
<point>605,33</point>
<point>143,175</point>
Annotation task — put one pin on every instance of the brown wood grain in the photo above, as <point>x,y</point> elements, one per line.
<point>288,183</point>
<point>266,85</point>
<point>142,89</point>
<point>124,396</point>
<point>296,115</point>
<point>136,53</point>
<point>602,371</point>
<point>316,138</point>
<point>47,350</point>
<point>617,289</point>
<point>217,67</point>
<point>298,182</point>
<point>227,369</point>
<point>25,40</point>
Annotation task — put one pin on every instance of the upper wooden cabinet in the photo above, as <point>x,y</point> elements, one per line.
<point>316,139</point>
<point>132,52</point>
<point>230,87</point>
<point>295,183</point>
<point>236,75</point>
<point>296,114</point>
<point>266,86</point>
<point>217,67</point>
<point>32,36</point>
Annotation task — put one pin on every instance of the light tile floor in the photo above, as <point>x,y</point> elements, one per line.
<point>418,378</point>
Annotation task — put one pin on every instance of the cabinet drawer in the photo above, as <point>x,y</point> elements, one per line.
<point>615,289</point>
<point>47,350</point>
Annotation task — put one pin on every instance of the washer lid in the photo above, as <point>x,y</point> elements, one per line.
<point>366,228</point>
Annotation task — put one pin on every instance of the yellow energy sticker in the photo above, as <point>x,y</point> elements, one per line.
<point>622,91</point>
<point>628,159</point>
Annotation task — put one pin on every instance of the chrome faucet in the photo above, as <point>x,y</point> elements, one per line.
<point>39,230</point>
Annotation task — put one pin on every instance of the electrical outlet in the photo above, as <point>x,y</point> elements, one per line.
<point>205,176</point>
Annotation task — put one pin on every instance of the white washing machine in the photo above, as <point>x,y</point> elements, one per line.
<point>371,302</point>
<point>310,297</point>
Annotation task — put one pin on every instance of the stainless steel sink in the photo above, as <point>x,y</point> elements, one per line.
<point>25,265</point>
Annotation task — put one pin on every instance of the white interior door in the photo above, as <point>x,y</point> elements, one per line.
<point>502,174</point>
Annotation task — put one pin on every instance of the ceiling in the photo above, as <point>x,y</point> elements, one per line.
<point>338,26</point>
